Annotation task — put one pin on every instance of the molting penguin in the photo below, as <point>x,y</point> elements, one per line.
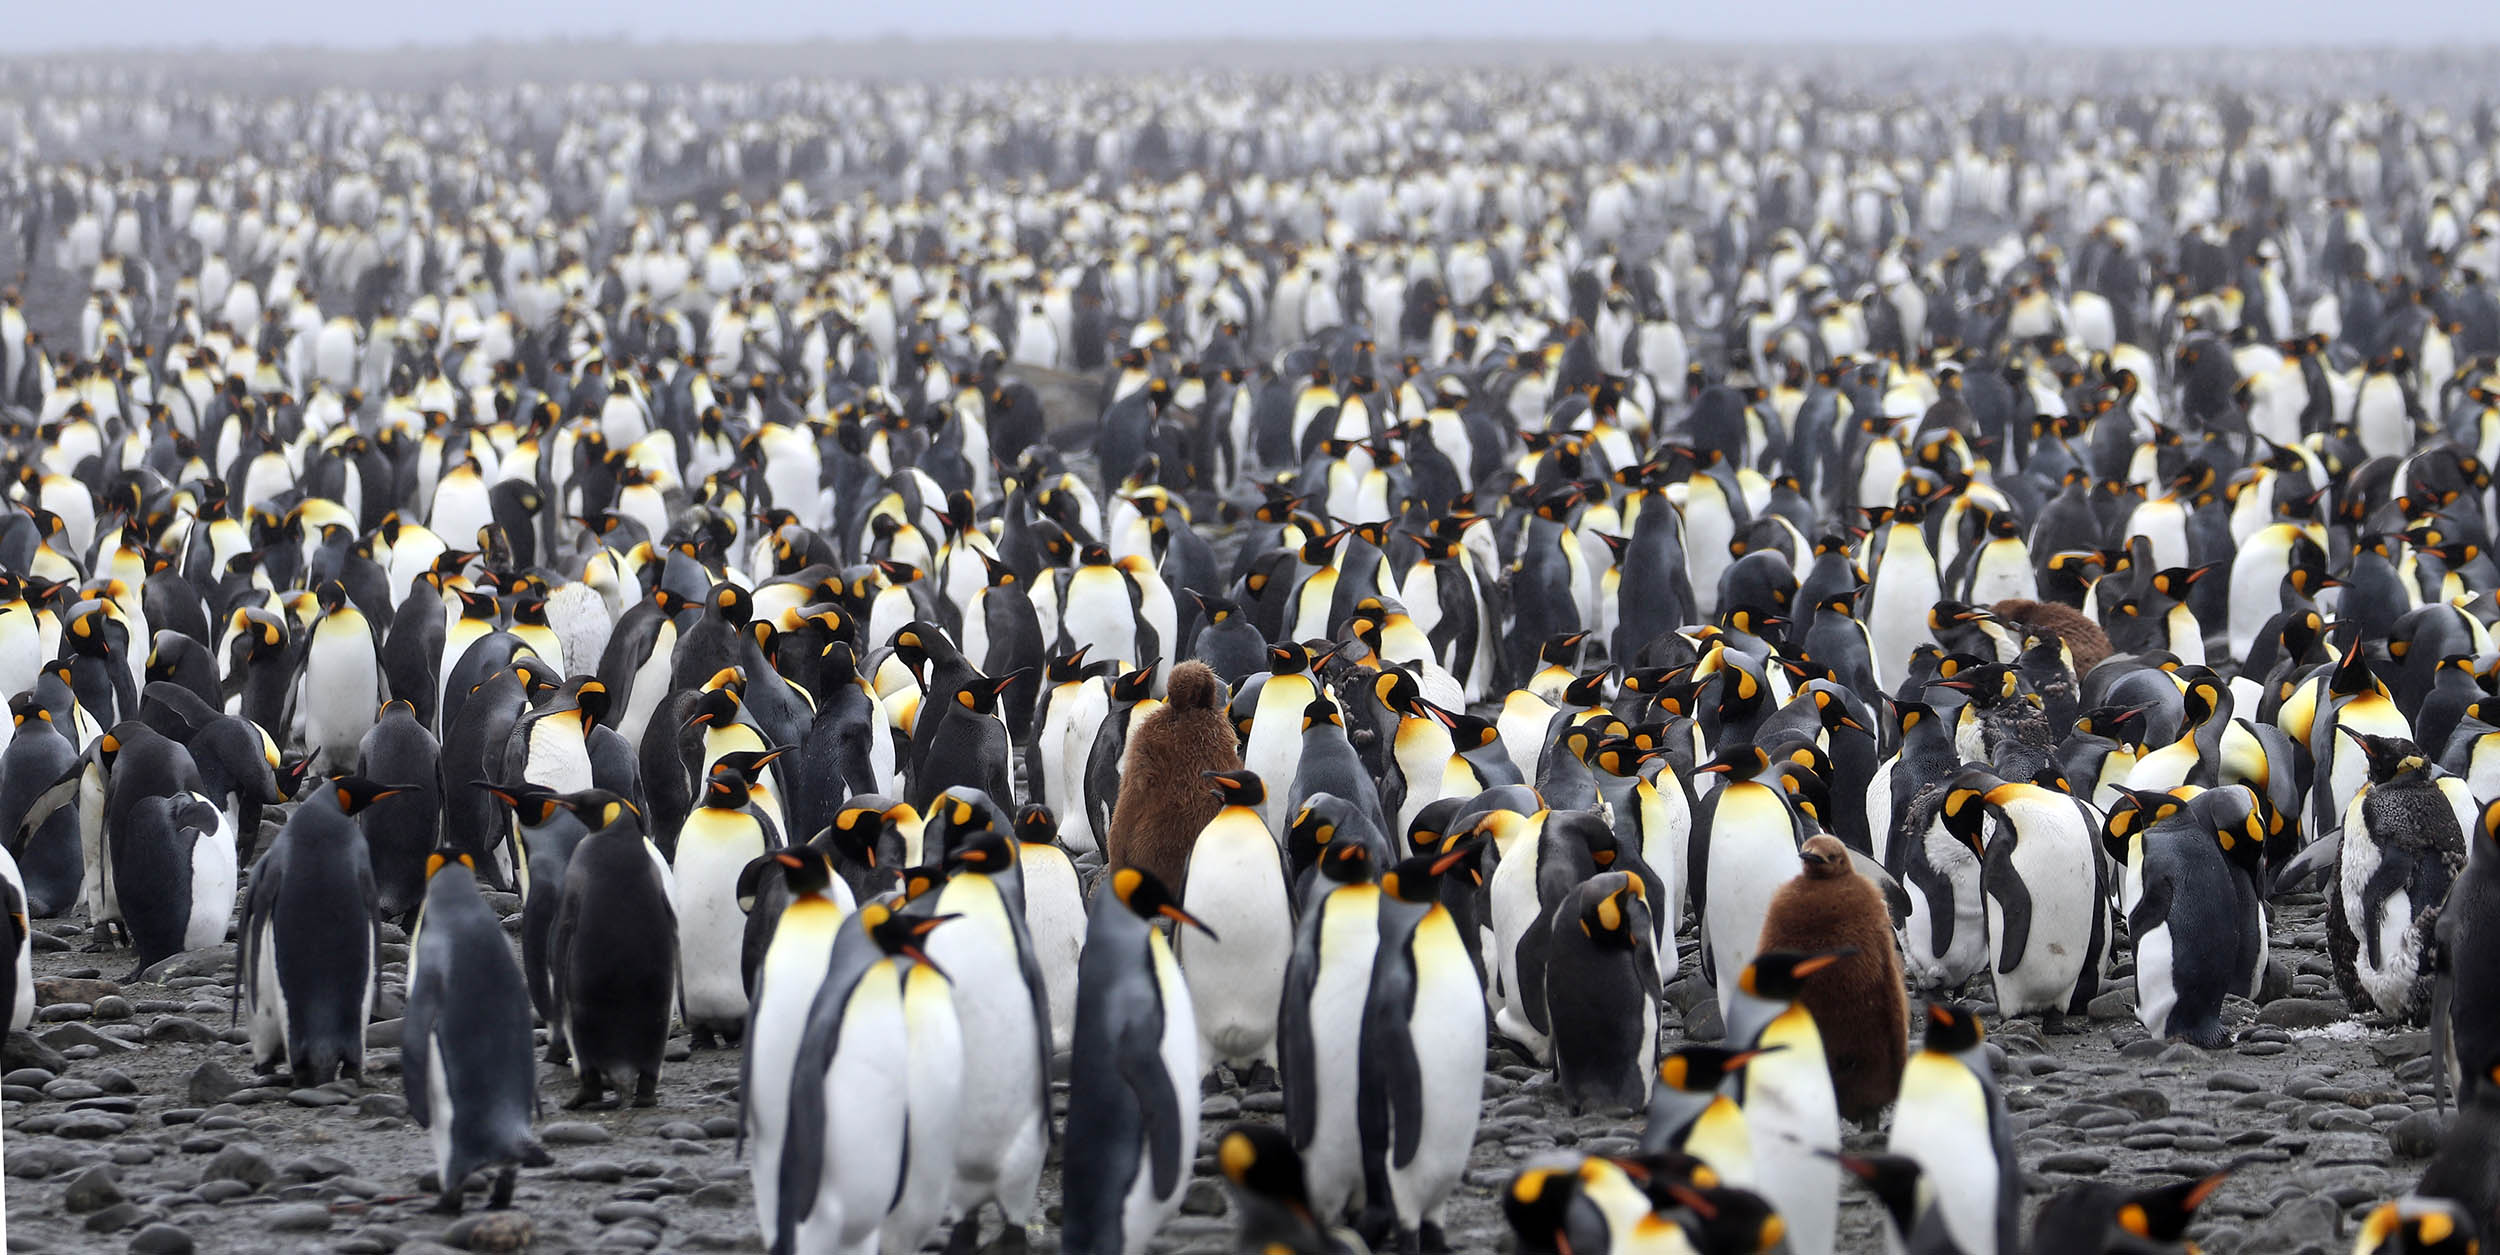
<point>310,936</point>
<point>1135,1071</point>
<point>466,1060</point>
<point>1857,1001</point>
<point>2401,851</point>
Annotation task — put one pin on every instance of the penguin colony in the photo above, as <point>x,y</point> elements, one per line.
<point>1184,600</point>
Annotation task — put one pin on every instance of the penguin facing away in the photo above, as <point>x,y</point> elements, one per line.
<point>612,954</point>
<point>310,937</point>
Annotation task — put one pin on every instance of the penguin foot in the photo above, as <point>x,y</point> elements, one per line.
<point>1379,1229</point>
<point>501,1196</point>
<point>1260,1075</point>
<point>1012,1241</point>
<point>557,1053</point>
<point>647,1089</point>
<point>588,1093</point>
<point>702,1039</point>
<point>966,1235</point>
<point>447,1205</point>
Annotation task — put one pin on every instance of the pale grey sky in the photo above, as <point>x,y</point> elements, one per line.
<point>50,25</point>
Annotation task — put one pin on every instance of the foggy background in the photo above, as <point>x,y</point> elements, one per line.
<point>40,26</point>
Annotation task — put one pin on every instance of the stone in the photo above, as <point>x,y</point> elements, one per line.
<point>573,1133</point>
<point>111,1007</point>
<point>2082,1163</point>
<point>210,1084</point>
<point>68,1035</point>
<point>240,1163</point>
<point>72,989</point>
<point>316,1167</point>
<point>316,1098</point>
<point>621,1210</point>
<point>715,1195</point>
<point>2146,1103</point>
<point>495,1231</point>
<point>384,1033</point>
<point>2301,1013</point>
<point>204,962</point>
<point>93,1190</point>
<point>2229,1082</point>
<point>24,1050</point>
<point>71,1089</point>
<point>2416,1136</point>
<point>117,1217</point>
<point>161,1239</point>
<point>90,1126</point>
<point>297,1218</point>
<point>2296,1222</point>
<point>180,1028</point>
<point>382,1105</point>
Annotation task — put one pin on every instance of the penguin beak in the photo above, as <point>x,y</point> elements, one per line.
<point>1179,916</point>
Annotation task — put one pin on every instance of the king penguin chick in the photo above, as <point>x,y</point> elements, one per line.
<point>470,1079</point>
<point>1163,799</point>
<point>1858,1001</point>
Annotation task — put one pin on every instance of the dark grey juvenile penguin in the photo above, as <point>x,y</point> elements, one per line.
<point>612,953</point>
<point>465,1044</point>
<point>310,936</point>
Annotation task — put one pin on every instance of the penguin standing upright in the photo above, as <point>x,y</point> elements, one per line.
<point>1054,915</point>
<point>1601,990</point>
<point>1003,1122</point>
<point>174,861</point>
<point>933,1071</point>
<point>1423,1046</point>
<point>1857,1002</point>
<point>2046,933</point>
<point>1320,1024</point>
<point>17,973</point>
<point>1952,1120</point>
<point>844,1136</point>
<point>401,831</point>
<point>465,1052</point>
<point>1135,1072</point>
<point>48,854</point>
<point>342,681</point>
<point>1237,883</point>
<point>310,937</point>
<point>721,838</point>
<point>1786,1095</point>
<point>2469,937</point>
<point>2179,890</point>
<point>1163,799</point>
<point>612,954</point>
<point>2401,851</point>
<point>785,988</point>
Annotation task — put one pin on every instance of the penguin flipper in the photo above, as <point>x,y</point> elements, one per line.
<point>2314,859</point>
<point>1158,1107</point>
<point>1896,898</point>
<point>425,992</point>
<point>55,795</point>
<point>1297,1055</point>
<point>1389,1047</point>
<point>1999,880</point>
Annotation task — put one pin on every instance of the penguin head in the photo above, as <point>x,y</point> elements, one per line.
<point>1693,1069</point>
<point>445,857</point>
<point>855,833</point>
<point>1147,898</point>
<point>731,603</point>
<point>1346,862</point>
<point>1952,1028</point>
<point>1825,858</point>
<point>330,596</point>
<point>1614,908</point>
<point>2415,1225</point>
<point>1719,1217</point>
<point>986,851</point>
<point>1539,1206</point>
<point>1780,975</point>
<point>1036,825</point>
<point>1894,1180</point>
<point>1136,686</point>
<point>26,707</point>
<point>803,871</point>
<point>1740,761</point>
<point>601,809</point>
<point>900,933</point>
<point>2161,1215</point>
<point>532,805</point>
<point>354,793</point>
<point>1259,1161</point>
<point>2388,756</point>
<point>1418,879</point>
<point>1240,788</point>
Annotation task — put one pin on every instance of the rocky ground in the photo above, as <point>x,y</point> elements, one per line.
<point>132,1119</point>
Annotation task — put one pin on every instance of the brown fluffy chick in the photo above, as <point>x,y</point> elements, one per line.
<point>1164,799</point>
<point>1859,1003</point>
<point>2084,639</point>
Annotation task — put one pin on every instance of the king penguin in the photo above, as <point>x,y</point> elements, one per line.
<point>1319,1029</point>
<point>342,681</point>
<point>721,838</point>
<point>310,937</point>
<point>612,953</point>
<point>1237,883</point>
<point>1423,1046</point>
<point>465,1055</point>
<point>785,988</point>
<point>1135,1073</point>
<point>1951,1119</point>
<point>1003,1122</point>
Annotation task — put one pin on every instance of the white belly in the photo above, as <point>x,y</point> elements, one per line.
<point>1236,885</point>
<point>711,930</point>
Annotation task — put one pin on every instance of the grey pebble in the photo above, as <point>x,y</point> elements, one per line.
<point>180,1028</point>
<point>2229,1082</point>
<point>573,1133</point>
<point>298,1218</point>
<point>2301,1013</point>
<point>161,1239</point>
<point>316,1098</point>
<point>93,1190</point>
<point>2416,1136</point>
